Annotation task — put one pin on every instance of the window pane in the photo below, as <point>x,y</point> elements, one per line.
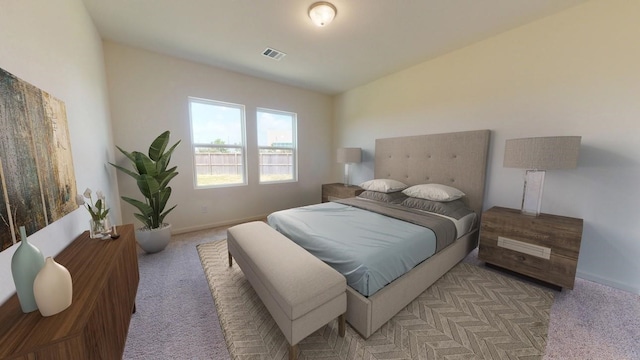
<point>219,166</point>
<point>216,124</point>
<point>275,129</point>
<point>277,145</point>
<point>276,165</point>
<point>217,133</point>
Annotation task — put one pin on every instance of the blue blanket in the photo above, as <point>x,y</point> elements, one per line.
<point>369,249</point>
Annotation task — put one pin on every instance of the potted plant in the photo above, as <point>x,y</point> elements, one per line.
<point>99,226</point>
<point>152,176</point>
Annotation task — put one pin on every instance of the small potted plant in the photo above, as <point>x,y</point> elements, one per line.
<point>152,175</point>
<point>99,226</point>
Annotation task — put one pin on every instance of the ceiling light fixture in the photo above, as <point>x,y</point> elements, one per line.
<point>322,13</point>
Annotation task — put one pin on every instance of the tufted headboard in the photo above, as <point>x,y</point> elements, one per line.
<point>455,159</point>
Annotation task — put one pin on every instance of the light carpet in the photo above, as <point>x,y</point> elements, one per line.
<point>470,313</point>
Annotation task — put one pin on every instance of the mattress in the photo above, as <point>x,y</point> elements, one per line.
<point>369,249</point>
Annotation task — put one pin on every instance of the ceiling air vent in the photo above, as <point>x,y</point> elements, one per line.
<point>273,53</point>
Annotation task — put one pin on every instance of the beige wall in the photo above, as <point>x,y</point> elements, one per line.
<point>149,94</point>
<point>574,73</point>
<point>54,46</point>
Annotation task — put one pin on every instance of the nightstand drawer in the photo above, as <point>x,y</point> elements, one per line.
<point>527,264</point>
<point>558,270</point>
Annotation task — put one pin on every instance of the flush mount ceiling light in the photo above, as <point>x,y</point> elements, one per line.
<point>322,13</point>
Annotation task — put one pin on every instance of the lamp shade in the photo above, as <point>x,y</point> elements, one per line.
<point>349,155</point>
<point>542,153</point>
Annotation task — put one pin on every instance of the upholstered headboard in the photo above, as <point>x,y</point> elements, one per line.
<point>455,159</point>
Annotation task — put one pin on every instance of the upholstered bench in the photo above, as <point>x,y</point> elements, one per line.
<point>301,292</point>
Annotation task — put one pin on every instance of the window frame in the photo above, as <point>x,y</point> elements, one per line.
<point>242,147</point>
<point>293,148</point>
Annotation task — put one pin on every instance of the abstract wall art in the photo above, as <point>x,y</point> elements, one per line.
<point>37,180</point>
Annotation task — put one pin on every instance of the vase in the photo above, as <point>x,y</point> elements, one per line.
<point>99,229</point>
<point>53,288</point>
<point>25,265</point>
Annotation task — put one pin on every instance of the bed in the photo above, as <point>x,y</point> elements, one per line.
<point>455,159</point>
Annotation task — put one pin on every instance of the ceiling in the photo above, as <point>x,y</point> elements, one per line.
<point>367,40</point>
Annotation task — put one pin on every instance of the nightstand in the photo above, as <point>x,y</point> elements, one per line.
<point>339,191</point>
<point>544,247</point>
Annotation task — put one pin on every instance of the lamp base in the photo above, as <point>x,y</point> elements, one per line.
<point>346,175</point>
<point>532,194</point>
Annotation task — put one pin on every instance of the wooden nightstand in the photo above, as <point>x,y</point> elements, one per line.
<point>544,247</point>
<point>339,191</point>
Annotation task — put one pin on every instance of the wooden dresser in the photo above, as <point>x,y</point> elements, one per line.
<point>105,281</point>
<point>544,247</point>
<point>339,191</point>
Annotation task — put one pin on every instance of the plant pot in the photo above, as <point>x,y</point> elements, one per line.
<point>154,240</point>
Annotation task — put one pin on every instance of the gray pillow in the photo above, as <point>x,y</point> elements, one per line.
<point>455,209</point>
<point>393,198</point>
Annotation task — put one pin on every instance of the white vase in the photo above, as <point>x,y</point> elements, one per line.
<point>52,288</point>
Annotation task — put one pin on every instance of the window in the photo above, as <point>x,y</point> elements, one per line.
<point>277,145</point>
<point>218,140</point>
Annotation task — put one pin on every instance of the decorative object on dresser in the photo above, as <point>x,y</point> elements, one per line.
<point>53,288</point>
<point>339,191</point>
<point>348,156</point>
<point>26,262</point>
<point>545,247</point>
<point>152,176</point>
<point>105,277</point>
<point>537,155</point>
<point>99,226</point>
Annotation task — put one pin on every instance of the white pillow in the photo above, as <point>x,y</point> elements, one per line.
<point>383,185</point>
<point>434,192</point>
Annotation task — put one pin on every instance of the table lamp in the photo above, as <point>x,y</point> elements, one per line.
<point>348,156</point>
<point>537,155</point>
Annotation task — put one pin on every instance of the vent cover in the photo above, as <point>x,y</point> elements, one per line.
<point>273,53</point>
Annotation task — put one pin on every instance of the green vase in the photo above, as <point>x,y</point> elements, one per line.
<point>25,265</point>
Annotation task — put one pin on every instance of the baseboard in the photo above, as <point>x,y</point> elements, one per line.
<point>217,224</point>
<point>608,282</point>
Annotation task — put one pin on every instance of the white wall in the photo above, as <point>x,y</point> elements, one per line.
<point>573,73</point>
<point>54,46</point>
<point>149,94</point>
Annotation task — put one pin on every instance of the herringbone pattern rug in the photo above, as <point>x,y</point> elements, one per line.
<point>470,313</point>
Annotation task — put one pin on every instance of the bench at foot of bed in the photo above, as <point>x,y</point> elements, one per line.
<point>301,292</point>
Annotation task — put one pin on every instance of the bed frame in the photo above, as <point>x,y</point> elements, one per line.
<point>455,159</point>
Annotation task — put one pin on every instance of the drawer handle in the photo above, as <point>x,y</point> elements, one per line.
<point>521,258</point>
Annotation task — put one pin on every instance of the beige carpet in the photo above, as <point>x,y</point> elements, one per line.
<point>470,313</point>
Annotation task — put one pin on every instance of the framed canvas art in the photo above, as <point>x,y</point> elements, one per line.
<point>37,180</point>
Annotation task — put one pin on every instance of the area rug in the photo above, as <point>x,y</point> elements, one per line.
<point>469,313</point>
